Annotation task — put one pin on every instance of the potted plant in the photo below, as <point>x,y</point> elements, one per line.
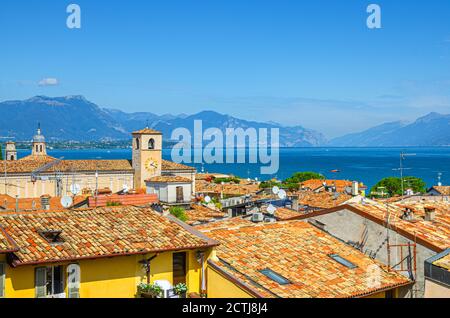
<point>180,290</point>
<point>149,290</point>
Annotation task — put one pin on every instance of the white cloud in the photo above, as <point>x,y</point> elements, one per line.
<point>50,81</point>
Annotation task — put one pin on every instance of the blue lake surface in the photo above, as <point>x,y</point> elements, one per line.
<point>363,164</point>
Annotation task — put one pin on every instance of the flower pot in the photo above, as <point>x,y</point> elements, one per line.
<point>147,295</point>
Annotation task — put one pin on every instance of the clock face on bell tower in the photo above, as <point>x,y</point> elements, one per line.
<point>151,165</point>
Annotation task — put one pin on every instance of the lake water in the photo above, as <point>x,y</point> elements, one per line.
<point>363,164</point>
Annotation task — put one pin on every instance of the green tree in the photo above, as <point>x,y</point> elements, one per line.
<point>1,152</point>
<point>227,180</point>
<point>303,176</point>
<point>392,186</point>
<point>179,213</point>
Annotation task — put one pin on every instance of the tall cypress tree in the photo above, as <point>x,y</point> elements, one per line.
<point>1,152</point>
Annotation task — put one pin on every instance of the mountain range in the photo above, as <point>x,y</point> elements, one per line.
<point>430,130</point>
<point>76,118</point>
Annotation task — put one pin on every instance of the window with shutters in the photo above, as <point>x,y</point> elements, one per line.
<point>179,268</point>
<point>2,279</point>
<point>49,282</point>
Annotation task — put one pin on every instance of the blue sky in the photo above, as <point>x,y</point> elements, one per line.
<point>311,63</point>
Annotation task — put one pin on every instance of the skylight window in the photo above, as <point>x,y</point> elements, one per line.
<point>52,236</point>
<point>343,261</point>
<point>275,276</point>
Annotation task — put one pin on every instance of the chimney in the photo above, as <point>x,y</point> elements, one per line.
<point>45,202</point>
<point>17,203</point>
<point>295,203</point>
<point>355,188</point>
<point>430,214</point>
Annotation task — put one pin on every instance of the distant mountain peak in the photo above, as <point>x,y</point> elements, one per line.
<point>430,117</point>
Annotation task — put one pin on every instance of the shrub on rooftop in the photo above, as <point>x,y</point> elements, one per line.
<point>227,180</point>
<point>179,213</point>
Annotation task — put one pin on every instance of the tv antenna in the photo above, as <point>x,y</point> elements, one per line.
<point>403,156</point>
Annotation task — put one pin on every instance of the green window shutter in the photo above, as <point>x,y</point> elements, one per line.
<point>2,280</point>
<point>73,281</point>
<point>41,282</point>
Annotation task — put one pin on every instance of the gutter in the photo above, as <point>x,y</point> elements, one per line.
<point>18,263</point>
<point>362,295</point>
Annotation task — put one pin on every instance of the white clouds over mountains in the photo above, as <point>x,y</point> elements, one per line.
<point>49,81</point>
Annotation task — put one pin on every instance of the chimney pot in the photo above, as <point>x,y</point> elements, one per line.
<point>430,213</point>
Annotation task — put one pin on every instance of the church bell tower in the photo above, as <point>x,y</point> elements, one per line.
<point>147,155</point>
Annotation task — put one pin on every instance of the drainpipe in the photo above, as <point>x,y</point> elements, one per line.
<point>201,260</point>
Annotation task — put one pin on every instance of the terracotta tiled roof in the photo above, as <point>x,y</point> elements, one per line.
<point>125,199</point>
<point>201,213</point>
<point>436,233</point>
<point>170,165</point>
<point>31,163</point>
<point>42,158</point>
<point>28,165</point>
<point>300,253</point>
<point>315,184</point>
<point>443,190</point>
<point>147,131</point>
<point>433,234</point>
<point>26,204</point>
<point>208,176</point>
<point>285,214</point>
<point>322,200</point>
<point>443,262</point>
<point>6,244</point>
<point>101,232</point>
<point>228,189</point>
<point>228,223</point>
<point>169,179</point>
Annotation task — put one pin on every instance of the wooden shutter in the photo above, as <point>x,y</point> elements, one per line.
<point>41,282</point>
<point>2,280</point>
<point>73,281</point>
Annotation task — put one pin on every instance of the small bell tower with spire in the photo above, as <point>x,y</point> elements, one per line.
<point>39,148</point>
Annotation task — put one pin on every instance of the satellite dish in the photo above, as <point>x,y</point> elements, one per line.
<point>275,190</point>
<point>66,201</point>
<point>125,188</point>
<point>282,194</point>
<point>75,188</point>
<point>271,209</point>
<point>256,179</point>
<point>207,199</point>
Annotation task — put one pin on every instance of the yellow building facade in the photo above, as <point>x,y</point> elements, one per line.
<point>98,253</point>
<point>115,277</point>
